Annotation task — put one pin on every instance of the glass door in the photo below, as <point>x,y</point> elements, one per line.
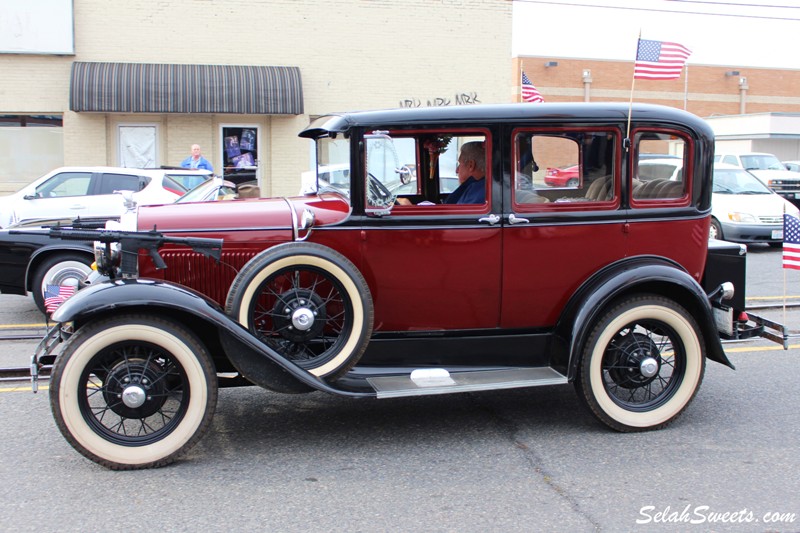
<point>240,154</point>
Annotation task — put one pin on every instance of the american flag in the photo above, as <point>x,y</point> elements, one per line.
<point>657,60</point>
<point>529,92</point>
<point>55,295</point>
<point>791,242</point>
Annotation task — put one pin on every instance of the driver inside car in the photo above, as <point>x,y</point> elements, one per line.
<point>471,172</point>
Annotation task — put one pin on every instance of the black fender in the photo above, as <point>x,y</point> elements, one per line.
<point>254,360</point>
<point>42,253</point>
<point>642,274</point>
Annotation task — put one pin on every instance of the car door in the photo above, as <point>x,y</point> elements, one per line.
<point>431,266</point>
<point>556,236</point>
<point>62,195</point>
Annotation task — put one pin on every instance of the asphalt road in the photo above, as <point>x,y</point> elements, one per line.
<point>520,460</point>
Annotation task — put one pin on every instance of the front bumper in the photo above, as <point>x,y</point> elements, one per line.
<point>752,232</point>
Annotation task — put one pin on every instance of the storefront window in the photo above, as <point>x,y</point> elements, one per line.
<point>30,146</point>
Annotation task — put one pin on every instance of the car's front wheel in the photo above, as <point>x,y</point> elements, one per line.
<point>642,364</point>
<point>306,302</point>
<point>133,391</point>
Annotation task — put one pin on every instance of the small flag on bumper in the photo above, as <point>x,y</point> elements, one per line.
<point>55,295</point>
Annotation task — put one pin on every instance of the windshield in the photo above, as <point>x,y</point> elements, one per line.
<point>735,181</point>
<point>212,189</point>
<point>333,164</point>
<point>762,162</point>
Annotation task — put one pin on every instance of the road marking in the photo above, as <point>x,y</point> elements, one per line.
<point>17,326</point>
<point>772,297</point>
<point>762,348</point>
<point>23,388</point>
<point>27,388</point>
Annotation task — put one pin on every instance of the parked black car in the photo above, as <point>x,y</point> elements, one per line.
<point>29,263</point>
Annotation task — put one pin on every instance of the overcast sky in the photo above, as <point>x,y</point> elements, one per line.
<point>736,33</point>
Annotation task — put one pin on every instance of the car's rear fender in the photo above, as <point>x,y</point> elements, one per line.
<point>636,275</point>
<point>250,357</point>
<point>47,251</point>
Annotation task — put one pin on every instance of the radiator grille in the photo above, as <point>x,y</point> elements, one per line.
<point>203,274</point>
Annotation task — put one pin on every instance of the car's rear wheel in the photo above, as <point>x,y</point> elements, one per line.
<point>58,270</point>
<point>642,364</point>
<point>306,302</point>
<point>573,182</point>
<point>133,391</point>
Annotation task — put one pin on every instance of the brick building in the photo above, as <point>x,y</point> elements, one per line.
<point>750,109</point>
<point>144,80</point>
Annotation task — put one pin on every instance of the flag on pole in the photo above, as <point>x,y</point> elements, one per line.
<point>658,60</point>
<point>529,92</point>
<point>791,242</point>
<point>55,295</point>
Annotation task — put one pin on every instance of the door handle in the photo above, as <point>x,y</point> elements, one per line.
<point>491,219</point>
<point>513,219</point>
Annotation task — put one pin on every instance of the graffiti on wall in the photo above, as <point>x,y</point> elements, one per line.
<point>458,99</point>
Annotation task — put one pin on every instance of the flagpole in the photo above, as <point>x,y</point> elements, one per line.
<point>627,142</point>
<point>784,270</point>
<point>685,85</point>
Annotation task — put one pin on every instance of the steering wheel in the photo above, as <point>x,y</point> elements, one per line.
<point>405,174</point>
<point>377,193</point>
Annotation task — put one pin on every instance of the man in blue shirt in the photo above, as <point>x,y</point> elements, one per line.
<point>471,172</point>
<point>196,160</point>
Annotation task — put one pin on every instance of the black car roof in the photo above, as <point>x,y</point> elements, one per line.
<point>491,113</point>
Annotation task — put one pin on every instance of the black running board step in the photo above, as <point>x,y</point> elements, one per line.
<point>428,381</point>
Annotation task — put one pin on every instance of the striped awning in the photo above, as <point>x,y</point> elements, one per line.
<point>169,88</point>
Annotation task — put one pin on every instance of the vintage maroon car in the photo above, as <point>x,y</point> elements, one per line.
<point>608,285</point>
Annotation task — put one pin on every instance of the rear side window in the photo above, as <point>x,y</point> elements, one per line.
<point>660,159</point>
<point>564,168</point>
<point>111,183</point>
<point>173,185</point>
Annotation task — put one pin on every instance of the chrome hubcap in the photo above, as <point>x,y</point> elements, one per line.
<point>648,367</point>
<point>303,318</point>
<point>133,396</point>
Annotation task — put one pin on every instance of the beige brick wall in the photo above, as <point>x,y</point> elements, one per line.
<point>353,54</point>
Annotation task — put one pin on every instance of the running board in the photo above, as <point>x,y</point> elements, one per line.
<point>428,381</point>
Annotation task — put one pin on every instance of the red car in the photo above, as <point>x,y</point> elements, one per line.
<point>563,177</point>
<point>605,286</point>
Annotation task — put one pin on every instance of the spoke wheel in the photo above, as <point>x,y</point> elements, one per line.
<point>642,365</point>
<point>133,392</point>
<point>306,302</point>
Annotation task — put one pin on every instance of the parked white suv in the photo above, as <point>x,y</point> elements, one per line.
<point>71,192</point>
<point>769,170</point>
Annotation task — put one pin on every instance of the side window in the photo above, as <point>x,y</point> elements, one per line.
<point>730,159</point>
<point>426,168</point>
<point>564,167</point>
<point>659,160</point>
<point>65,184</point>
<point>121,182</point>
